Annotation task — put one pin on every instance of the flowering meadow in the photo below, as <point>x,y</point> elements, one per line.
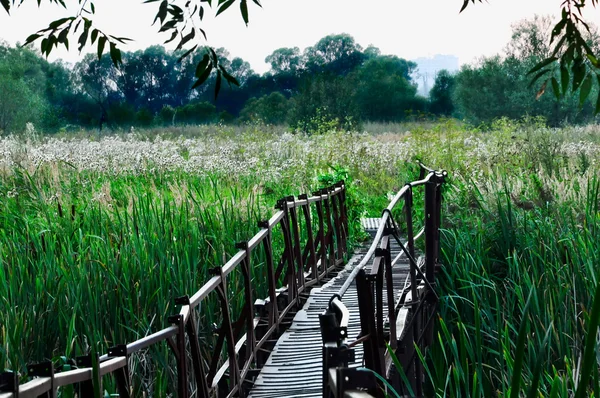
<point>98,234</point>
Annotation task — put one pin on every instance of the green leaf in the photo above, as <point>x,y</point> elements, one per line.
<point>6,5</point>
<point>202,65</point>
<point>244,10</point>
<point>556,88</point>
<point>173,37</point>
<point>202,78</point>
<point>537,77</point>
<point>533,390</point>
<point>597,110</point>
<point>218,84</point>
<point>58,22</point>
<point>464,6</point>
<point>101,44</point>
<point>589,351</point>
<point>586,88</point>
<point>515,384</point>
<point>162,12</point>
<point>564,78</point>
<point>32,38</point>
<point>94,35</point>
<point>83,38</point>
<point>578,71</point>
<point>592,59</point>
<point>115,55</point>
<point>542,64</point>
<point>225,6</point>
<point>188,52</point>
<point>186,39</point>
<point>230,79</point>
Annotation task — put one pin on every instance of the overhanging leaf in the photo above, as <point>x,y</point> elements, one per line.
<point>218,84</point>
<point>244,10</point>
<point>542,64</point>
<point>586,88</point>
<point>556,88</point>
<point>202,65</point>
<point>225,6</point>
<point>6,5</point>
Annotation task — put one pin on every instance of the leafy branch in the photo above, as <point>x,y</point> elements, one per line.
<point>182,19</point>
<point>573,64</point>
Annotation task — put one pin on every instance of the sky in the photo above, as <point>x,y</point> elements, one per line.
<point>407,28</point>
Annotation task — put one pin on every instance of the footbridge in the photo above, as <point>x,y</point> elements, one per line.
<point>331,325</point>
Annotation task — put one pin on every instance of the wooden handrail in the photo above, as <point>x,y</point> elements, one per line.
<point>332,244</point>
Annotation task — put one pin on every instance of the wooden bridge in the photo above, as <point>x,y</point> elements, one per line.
<point>328,327</point>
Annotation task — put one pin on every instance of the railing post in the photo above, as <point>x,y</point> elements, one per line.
<point>366,310</point>
<point>199,373</point>
<point>344,215</point>
<point>431,233</point>
<point>310,243</point>
<point>321,235</point>
<point>330,232</point>
<point>414,280</point>
<point>179,348</point>
<point>86,388</point>
<point>250,354</point>
<point>227,330</point>
<point>334,332</point>
<point>337,224</point>
<point>297,251</point>
<point>273,310</point>
<point>43,369</point>
<point>122,374</point>
<point>292,283</point>
<point>9,382</point>
<point>391,296</point>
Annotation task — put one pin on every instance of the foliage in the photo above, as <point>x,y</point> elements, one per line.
<point>572,65</point>
<point>499,87</point>
<point>271,109</point>
<point>384,90</point>
<point>142,217</point>
<point>325,103</point>
<point>441,94</point>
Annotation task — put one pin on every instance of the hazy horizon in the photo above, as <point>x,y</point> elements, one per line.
<point>482,30</point>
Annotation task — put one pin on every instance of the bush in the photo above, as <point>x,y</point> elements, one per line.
<point>196,113</point>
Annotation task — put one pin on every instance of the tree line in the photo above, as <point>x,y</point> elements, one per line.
<point>334,84</point>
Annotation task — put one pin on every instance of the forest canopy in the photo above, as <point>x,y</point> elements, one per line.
<point>572,64</point>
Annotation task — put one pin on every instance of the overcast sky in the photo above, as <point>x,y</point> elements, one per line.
<point>407,28</point>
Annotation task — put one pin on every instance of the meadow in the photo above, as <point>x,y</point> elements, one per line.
<point>98,234</point>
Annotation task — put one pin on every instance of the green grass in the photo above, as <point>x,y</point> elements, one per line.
<point>93,253</point>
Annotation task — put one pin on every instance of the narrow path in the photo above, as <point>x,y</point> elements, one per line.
<point>294,368</point>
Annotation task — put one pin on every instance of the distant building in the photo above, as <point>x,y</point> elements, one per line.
<point>428,68</point>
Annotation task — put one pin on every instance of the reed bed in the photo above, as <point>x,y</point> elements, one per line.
<point>99,234</point>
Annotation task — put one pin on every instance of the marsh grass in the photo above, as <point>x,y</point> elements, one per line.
<point>99,234</point>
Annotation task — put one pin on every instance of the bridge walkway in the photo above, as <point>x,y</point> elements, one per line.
<point>295,366</point>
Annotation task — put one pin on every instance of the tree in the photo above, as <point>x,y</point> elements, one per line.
<point>18,105</point>
<point>338,54</point>
<point>571,55</point>
<point>24,86</point>
<point>572,61</point>
<point>384,91</point>
<point>441,94</point>
<point>285,60</point>
<point>325,102</point>
<point>271,109</point>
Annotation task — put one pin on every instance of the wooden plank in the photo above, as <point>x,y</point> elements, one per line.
<point>294,368</point>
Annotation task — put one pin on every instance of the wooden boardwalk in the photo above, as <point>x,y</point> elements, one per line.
<point>294,368</point>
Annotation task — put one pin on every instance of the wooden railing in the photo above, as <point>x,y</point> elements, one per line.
<point>407,323</point>
<point>310,252</point>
